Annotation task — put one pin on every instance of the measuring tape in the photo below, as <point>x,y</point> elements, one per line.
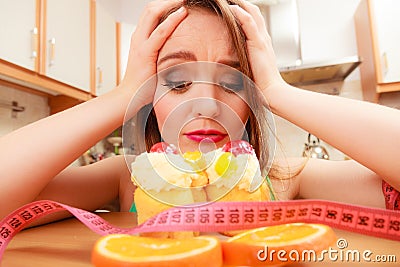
<point>222,216</point>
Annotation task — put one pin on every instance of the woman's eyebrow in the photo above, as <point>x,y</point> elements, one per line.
<point>186,55</point>
<point>190,56</point>
<point>231,63</point>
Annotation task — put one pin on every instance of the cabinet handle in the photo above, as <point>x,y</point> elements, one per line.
<point>34,42</point>
<point>100,75</point>
<point>385,66</point>
<point>52,51</point>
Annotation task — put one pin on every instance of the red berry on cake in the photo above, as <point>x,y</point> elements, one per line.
<point>238,147</point>
<point>163,147</point>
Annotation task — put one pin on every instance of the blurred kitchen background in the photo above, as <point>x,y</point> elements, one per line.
<point>55,54</point>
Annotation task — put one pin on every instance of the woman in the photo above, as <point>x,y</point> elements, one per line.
<point>361,130</point>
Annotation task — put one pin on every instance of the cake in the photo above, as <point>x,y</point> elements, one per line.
<point>164,179</point>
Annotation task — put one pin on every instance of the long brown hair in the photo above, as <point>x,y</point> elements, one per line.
<point>257,127</point>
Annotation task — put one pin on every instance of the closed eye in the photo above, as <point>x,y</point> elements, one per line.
<point>232,82</point>
<point>232,87</point>
<point>179,86</point>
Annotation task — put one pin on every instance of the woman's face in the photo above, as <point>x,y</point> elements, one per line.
<point>195,115</point>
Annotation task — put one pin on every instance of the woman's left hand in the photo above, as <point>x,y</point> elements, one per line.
<point>259,45</point>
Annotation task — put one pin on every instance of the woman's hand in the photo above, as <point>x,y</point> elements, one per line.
<point>336,120</point>
<point>146,41</point>
<point>259,45</point>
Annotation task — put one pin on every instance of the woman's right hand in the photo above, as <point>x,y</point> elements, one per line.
<point>259,45</point>
<point>146,41</point>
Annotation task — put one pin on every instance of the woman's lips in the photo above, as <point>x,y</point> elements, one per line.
<point>206,135</point>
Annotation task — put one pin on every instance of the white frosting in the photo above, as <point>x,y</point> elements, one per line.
<point>244,171</point>
<point>154,171</point>
<point>159,171</point>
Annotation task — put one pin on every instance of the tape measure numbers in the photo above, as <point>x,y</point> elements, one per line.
<point>222,216</point>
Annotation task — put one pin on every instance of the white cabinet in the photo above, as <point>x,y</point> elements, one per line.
<point>106,51</point>
<point>66,49</point>
<point>378,42</point>
<point>387,21</point>
<point>125,43</point>
<point>68,42</point>
<point>19,37</point>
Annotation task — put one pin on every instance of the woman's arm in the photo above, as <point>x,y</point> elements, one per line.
<point>33,155</point>
<point>90,187</point>
<point>41,150</point>
<point>366,132</point>
<point>344,181</point>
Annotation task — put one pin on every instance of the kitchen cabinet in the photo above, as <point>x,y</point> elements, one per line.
<point>68,42</point>
<point>19,39</point>
<point>25,54</point>
<point>106,51</point>
<point>378,40</point>
<point>126,31</point>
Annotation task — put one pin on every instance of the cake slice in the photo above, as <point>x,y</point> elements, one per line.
<point>165,179</point>
<point>235,176</point>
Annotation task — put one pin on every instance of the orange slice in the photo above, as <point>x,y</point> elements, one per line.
<point>278,244</point>
<point>128,250</point>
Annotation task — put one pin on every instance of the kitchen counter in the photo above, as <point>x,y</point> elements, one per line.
<point>69,243</point>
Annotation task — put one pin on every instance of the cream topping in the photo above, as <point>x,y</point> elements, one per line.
<point>160,171</point>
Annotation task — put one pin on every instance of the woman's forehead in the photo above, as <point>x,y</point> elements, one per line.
<point>201,36</point>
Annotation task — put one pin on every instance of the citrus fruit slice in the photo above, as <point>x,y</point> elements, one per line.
<point>127,250</point>
<point>280,244</point>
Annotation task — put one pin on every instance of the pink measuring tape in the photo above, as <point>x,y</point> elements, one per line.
<point>223,216</point>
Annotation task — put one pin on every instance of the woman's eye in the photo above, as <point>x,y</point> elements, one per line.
<point>232,86</point>
<point>232,83</point>
<point>178,86</point>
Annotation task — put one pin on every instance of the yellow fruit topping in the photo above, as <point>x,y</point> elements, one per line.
<point>192,156</point>
<point>225,162</point>
<point>196,160</point>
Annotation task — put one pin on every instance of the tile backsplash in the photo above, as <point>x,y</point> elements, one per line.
<point>36,107</point>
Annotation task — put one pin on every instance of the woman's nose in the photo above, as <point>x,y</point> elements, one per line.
<point>205,102</point>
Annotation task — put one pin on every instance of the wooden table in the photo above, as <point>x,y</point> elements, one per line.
<point>69,243</point>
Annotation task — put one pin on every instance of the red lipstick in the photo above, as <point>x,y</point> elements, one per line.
<point>210,135</point>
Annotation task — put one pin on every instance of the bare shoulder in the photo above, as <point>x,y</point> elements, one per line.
<point>288,167</point>
<point>126,187</point>
<point>345,181</point>
<point>89,187</point>
<point>300,166</point>
<point>284,174</point>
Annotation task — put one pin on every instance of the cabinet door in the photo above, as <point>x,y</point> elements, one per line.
<point>387,21</point>
<point>68,42</point>
<point>106,52</point>
<point>125,43</point>
<point>18,32</point>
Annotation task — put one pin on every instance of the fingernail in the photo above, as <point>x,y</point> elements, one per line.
<point>181,9</point>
